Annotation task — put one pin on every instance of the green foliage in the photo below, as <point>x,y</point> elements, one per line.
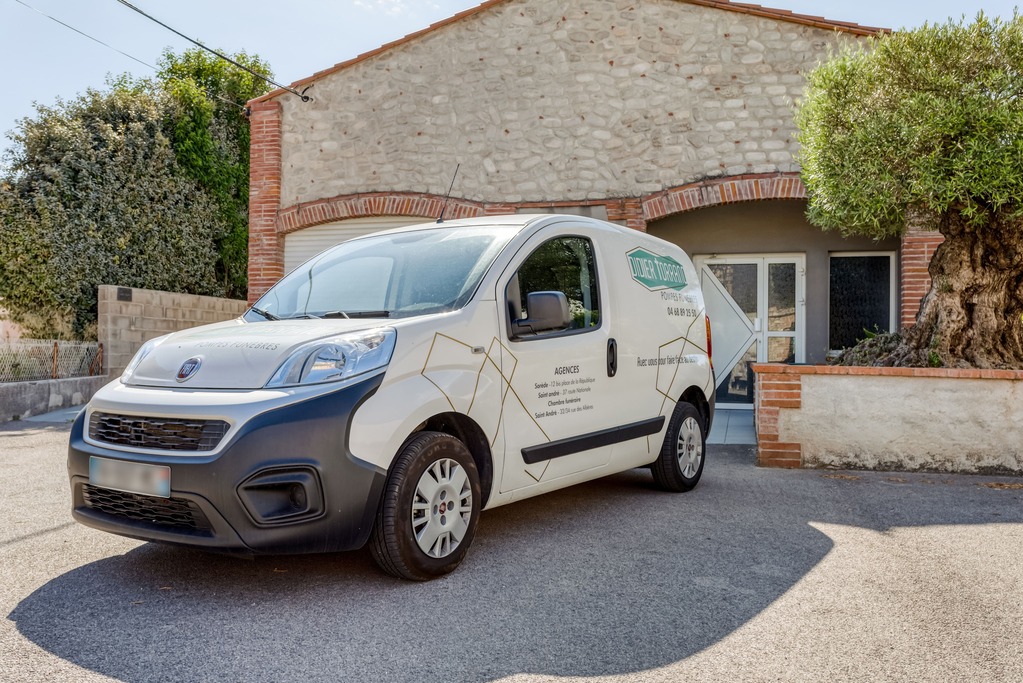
<point>143,185</point>
<point>27,284</point>
<point>210,137</point>
<point>933,357</point>
<point>921,122</point>
<point>94,198</point>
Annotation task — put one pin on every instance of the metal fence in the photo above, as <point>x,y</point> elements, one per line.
<point>23,361</point>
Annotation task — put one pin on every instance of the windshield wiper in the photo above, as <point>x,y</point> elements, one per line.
<point>265,314</point>
<point>357,314</point>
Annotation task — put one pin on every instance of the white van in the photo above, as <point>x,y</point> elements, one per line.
<point>394,386</point>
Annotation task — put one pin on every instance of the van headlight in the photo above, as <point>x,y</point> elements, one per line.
<point>336,359</point>
<point>140,356</point>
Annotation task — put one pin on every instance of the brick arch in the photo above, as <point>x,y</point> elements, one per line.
<point>319,211</point>
<point>729,190</point>
<point>269,225</point>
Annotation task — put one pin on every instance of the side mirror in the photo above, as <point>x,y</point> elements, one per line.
<point>546,310</point>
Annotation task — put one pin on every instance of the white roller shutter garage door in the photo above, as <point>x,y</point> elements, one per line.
<point>302,245</point>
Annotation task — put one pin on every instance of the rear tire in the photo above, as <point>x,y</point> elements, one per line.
<point>430,508</point>
<point>680,464</point>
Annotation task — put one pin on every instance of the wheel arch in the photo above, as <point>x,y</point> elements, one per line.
<point>465,429</point>
<point>695,396</point>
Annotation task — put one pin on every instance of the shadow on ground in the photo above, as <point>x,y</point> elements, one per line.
<point>604,578</point>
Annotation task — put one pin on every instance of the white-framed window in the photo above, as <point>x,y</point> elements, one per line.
<point>861,296</point>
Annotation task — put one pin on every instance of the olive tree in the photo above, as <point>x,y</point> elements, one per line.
<point>925,126</point>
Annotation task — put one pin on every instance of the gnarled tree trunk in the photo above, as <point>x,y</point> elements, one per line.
<point>972,315</point>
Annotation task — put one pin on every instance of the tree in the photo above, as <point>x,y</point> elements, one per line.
<point>144,185</point>
<point>94,197</point>
<point>926,126</point>
<point>210,137</point>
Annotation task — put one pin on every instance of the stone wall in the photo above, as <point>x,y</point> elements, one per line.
<point>128,317</point>
<point>556,101</point>
<point>19,400</point>
<point>928,419</point>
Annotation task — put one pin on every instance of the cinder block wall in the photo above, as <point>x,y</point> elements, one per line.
<point>128,317</point>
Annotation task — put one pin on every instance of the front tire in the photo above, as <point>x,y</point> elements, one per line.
<point>430,508</point>
<point>680,464</point>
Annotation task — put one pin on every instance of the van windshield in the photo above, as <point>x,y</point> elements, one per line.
<point>388,276</point>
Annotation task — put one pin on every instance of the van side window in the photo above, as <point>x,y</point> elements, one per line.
<point>565,266</point>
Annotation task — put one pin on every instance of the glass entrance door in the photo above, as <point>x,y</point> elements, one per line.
<point>757,308</point>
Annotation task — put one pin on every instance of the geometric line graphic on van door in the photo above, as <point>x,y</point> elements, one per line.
<point>445,367</point>
<point>671,356</point>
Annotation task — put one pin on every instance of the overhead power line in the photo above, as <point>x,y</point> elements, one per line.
<point>305,98</point>
<point>121,52</point>
<point>83,33</point>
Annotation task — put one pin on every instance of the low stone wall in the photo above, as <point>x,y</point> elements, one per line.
<point>129,317</point>
<point>19,400</point>
<point>927,419</point>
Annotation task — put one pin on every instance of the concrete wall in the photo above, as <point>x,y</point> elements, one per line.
<point>775,227</point>
<point>19,400</point>
<point>555,100</point>
<point>129,317</point>
<point>929,419</point>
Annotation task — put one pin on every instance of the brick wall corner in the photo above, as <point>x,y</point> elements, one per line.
<point>915,255</point>
<point>776,392</point>
<point>266,250</point>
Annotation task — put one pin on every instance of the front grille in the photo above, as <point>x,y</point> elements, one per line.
<point>170,512</point>
<point>164,433</point>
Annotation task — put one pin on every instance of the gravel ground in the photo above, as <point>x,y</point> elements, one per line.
<point>757,575</point>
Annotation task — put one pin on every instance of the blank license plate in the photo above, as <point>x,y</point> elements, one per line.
<point>132,477</point>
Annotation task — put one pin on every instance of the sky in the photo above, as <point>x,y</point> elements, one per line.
<point>45,61</point>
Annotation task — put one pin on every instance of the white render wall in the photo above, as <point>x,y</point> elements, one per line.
<point>908,423</point>
<point>554,100</point>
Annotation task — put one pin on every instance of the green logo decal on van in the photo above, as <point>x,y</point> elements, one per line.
<point>656,272</point>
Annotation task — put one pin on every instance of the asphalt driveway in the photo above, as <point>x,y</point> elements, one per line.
<point>757,575</point>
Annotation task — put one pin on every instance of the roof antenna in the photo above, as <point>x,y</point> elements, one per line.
<point>448,195</point>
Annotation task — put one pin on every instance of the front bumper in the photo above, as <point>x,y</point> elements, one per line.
<point>285,483</point>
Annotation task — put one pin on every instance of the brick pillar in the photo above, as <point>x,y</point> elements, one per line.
<point>774,391</point>
<point>914,280</point>
<point>628,210</point>
<point>266,248</point>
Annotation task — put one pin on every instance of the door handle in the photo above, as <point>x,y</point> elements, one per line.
<point>612,357</point>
